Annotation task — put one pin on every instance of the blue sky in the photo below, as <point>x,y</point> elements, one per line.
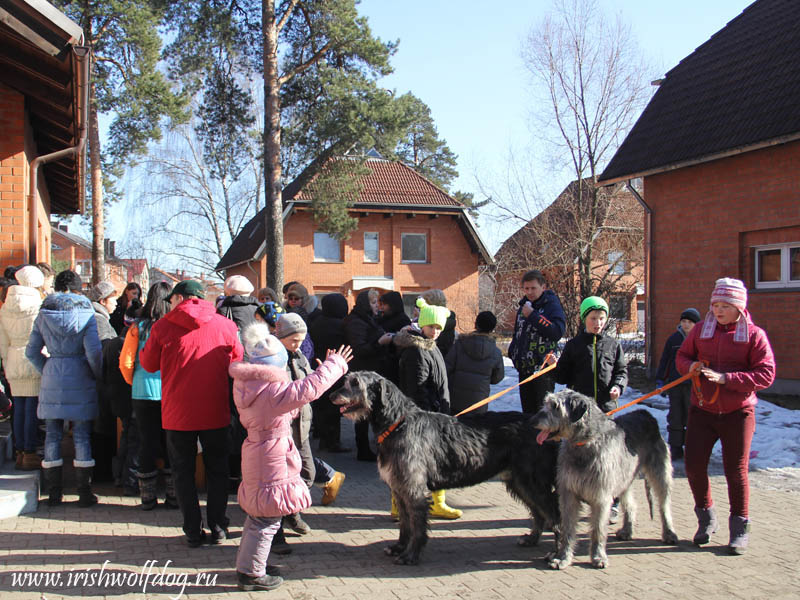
<point>462,58</point>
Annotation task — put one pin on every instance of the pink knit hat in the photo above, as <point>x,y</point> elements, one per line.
<point>734,293</point>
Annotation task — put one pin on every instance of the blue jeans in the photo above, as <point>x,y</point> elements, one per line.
<point>26,424</point>
<point>81,437</point>
<point>323,471</point>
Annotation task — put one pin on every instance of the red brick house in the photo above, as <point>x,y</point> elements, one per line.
<point>411,237</point>
<point>551,241</point>
<point>43,102</point>
<point>718,147</point>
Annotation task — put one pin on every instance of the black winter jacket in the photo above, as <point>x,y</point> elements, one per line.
<point>666,368</point>
<point>473,364</point>
<point>239,309</point>
<point>537,335</point>
<point>361,333</point>
<point>422,372</point>
<point>587,354</point>
<point>447,338</point>
<point>327,330</point>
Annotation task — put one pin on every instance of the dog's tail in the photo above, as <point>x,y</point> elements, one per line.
<point>649,493</point>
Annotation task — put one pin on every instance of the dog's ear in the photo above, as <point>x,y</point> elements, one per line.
<point>576,408</point>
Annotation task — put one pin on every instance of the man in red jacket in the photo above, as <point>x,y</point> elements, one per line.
<point>193,346</point>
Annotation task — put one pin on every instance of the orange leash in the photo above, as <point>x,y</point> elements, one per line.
<point>693,375</point>
<point>549,360</point>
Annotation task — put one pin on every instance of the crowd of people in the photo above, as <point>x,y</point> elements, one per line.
<point>234,381</point>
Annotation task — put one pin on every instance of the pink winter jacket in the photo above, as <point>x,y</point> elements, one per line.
<point>748,366</point>
<point>267,401</point>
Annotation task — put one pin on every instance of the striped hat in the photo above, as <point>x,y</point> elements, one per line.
<point>731,291</point>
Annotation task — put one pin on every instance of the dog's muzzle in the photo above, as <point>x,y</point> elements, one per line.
<point>346,405</point>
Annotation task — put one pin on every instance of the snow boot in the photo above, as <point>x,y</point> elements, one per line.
<point>170,499</point>
<point>739,528</point>
<point>706,525</point>
<point>85,496</point>
<point>52,479</point>
<point>148,487</point>
<point>440,509</point>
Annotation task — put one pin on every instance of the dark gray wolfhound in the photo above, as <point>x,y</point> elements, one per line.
<point>420,451</point>
<point>598,460</point>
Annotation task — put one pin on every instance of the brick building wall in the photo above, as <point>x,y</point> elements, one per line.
<point>13,221</point>
<point>451,265</point>
<point>706,218</point>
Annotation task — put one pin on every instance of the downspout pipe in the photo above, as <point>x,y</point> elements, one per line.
<point>82,57</point>
<point>648,319</point>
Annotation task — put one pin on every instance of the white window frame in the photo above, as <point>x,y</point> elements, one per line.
<point>403,236</point>
<point>324,259</point>
<point>377,247</point>
<point>784,281</point>
<point>616,262</point>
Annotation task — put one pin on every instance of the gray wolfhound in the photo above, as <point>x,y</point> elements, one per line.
<point>598,461</point>
<point>420,451</point>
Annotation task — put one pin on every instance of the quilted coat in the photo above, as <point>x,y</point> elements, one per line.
<point>16,322</point>
<point>66,325</point>
<point>268,401</point>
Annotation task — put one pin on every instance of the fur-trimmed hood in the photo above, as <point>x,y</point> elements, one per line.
<point>246,371</point>
<point>408,338</point>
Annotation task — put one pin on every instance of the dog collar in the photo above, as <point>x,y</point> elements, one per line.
<point>382,437</point>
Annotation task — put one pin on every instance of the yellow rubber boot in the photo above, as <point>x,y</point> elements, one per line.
<point>395,514</point>
<point>440,509</point>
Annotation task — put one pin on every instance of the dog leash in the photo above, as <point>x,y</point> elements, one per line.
<point>549,360</point>
<point>694,375</point>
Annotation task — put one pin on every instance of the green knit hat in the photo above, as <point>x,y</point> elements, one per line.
<point>431,315</point>
<point>592,303</point>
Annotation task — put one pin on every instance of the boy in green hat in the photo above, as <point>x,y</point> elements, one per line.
<point>593,363</point>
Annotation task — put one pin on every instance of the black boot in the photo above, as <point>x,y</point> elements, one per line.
<point>170,500</point>
<point>85,496</point>
<point>148,489</point>
<point>52,479</point>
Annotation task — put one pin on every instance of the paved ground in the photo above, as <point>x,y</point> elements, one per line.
<point>475,557</point>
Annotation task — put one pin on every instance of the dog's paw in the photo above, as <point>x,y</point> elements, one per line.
<point>394,550</point>
<point>406,559</point>
<point>559,563</point>
<point>528,540</point>
<point>599,562</point>
<point>625,533</point>
<point>670,537</point>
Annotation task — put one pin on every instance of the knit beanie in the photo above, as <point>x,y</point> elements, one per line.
<point>102,290</point>
<point>592,303</point>
<point>270,311</point>
<point>288,324</point>
<point>238,285</point>
<point>734,293</point>
<point>30,276</point>
<point>485,322</point>
<point>299,290</point>
<point>692,314</point>
<point>431,315</point>
<point>261,347</point>
<point>435,297</point>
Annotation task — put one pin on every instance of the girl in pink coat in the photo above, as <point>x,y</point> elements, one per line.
<point>271,485</point>
<point>734,360</point>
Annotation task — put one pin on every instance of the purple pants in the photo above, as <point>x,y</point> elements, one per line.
<point>735,432</point>
<point>256,541</point>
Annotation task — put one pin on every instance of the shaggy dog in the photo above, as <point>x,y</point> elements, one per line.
<point>420,451</point>
<point>598,460</point>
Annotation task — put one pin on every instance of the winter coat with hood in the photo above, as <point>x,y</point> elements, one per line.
<point>422,372</point>
<point>268,401</point>
<point>298,368</point>
<point>16,323</point>
<point>327,330</point>
<point>193,347</point>
<point>239,309</point>
<point>396,318</point>
<point>537,334</point>
<point>591,365</point>
<point>361,333</point>
<point>67,326</point>
<point>748,366</point>
<point>104,329</point>
<point>473,364</point>
<point>447,338</point>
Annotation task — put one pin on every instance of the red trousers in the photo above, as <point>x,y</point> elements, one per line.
<point>735,432</point>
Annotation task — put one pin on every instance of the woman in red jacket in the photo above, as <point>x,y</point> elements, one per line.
<point>734,360</point>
